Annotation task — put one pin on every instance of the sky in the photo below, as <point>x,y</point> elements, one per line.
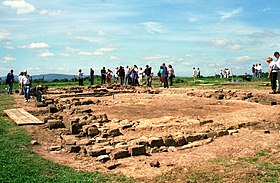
<point>63,36</point>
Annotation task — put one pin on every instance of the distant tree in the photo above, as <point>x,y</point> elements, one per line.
<point>55,80</point>
<point>64,80</point>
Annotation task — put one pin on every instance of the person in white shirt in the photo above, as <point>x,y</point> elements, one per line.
<point>20,77</point>
<point>194,73</point>
<point>272,74</point>
<point>80,77</point>
<point>277,56</point>
<point>140,76</point>
<point>26,85</point>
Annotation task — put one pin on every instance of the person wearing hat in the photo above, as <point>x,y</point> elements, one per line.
<point>272,74</point>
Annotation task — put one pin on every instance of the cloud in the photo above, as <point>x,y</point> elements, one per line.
<point>266,9</point>
<point>4,35</point>
<point>110,48</point>
<point>114,58</point>
<point>243,59</point>
<point>7,59</point>
<point>156,57</point>
<point>226,15</point>
<point>45,53</point>
<point>225,43</point>
<point>101,33</point>
<point>87,39</point>
<point>36,45</point>
<point>53,13</point>
<point>94,53</point>
<point>20,6</point>
<point>153,27</point>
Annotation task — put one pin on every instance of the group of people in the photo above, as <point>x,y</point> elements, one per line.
<point>257,71</point>
<point>225,73</point>
<point>24,83</point>
<point>137,76</point>
<point>196,73</point>
<point>274,72</point>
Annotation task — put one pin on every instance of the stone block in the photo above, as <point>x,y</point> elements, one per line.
<point>192,138</point>
<point>222,133</point>
<point>120,153</point>
<point>137,150</point>
<point>114,132</point>
<point>68,140</point>
<point>169,141</point>
<point>103,158</point>
<point>97,152</point>
<point>84,142</point>
<point>75,128</point>
<point>74,149</point>
<point>212,134</point>
<point>54,124</point>
<point>156,142</point>
<point>69,121</point>
<point>92,131</point>
<point>49,101</point>
<point>52,108</point>
<point>180,140</point>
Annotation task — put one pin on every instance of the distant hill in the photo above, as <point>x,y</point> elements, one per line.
<point>47,77</point>
<point>51,77</point>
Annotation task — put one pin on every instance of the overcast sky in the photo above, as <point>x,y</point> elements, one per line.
<point>62,36</point>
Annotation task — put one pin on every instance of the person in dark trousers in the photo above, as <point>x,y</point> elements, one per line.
<point>10,81</point>
<point>164,75</point>
<point>91,76</point>
<point>148,72</point>
<point>121,74</point>
<point>272,74</point>
<point>80,78</point>
<point>103,75</point>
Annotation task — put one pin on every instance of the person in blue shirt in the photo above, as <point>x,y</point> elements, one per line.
<point>10,81</point>
<point>164,75</point>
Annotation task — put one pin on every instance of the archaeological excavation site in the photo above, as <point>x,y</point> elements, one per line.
<point>145,132</point>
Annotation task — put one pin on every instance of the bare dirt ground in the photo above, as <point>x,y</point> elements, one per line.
<point>173,112</point>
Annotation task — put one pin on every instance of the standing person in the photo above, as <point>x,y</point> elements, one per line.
<point>116,75</point>
<point>127,75</point>
<point>121,75</point>
<point>140,76</point>
<point>272,74</point>
<point>259,70</point>
<point>194,73</point>
<point>80,77</point>
<point>253,70</point>
<point>26,85</point>
<point>10,81</point>
<point>221,73</point>
<point>171,74</point>
<point>277,56</point>
<point>133,75</point>
<point>165,75</point>
<point>160,71</point>
<point>109,76</point>
<point>148,73</point>
<point>91,76</point>
<point>20,77</point>
<point>198,73</point>
<point>103,75</point>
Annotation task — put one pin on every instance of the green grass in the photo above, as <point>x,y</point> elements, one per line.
<point>18,163</point>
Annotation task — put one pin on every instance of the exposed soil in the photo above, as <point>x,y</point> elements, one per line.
<point>254,115</point>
